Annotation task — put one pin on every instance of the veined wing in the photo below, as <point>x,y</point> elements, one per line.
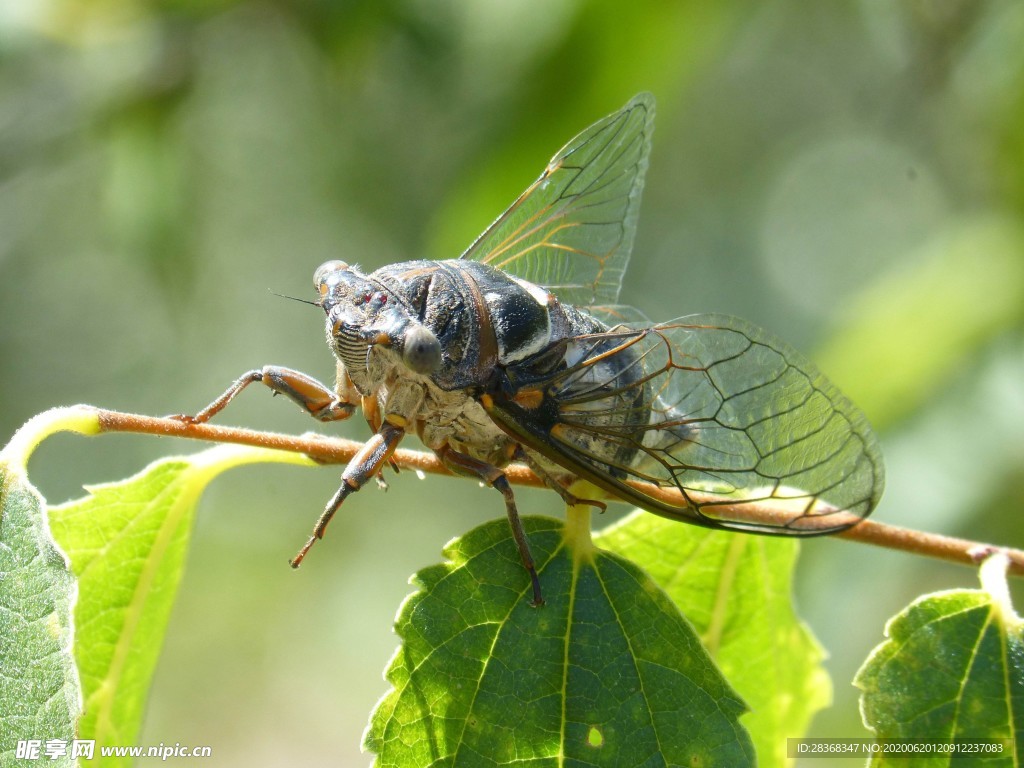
<point>572,230</point>
<point>706,419</point>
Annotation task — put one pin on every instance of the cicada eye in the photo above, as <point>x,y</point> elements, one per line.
<point>422,352</point>
<point>323,273</point>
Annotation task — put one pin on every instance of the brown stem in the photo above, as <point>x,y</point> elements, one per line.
<point>336,451</point>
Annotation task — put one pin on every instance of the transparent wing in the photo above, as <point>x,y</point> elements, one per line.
<point>572,230</point>
<point>708,419</point>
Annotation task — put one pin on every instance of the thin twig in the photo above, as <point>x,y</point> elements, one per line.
<point>336,451</point>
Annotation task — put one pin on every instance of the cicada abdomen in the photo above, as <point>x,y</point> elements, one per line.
<point>710,420</point>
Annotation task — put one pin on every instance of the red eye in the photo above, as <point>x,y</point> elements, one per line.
<point>383,298</point>
<point>366,298</point>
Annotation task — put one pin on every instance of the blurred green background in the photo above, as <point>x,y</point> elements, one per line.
<point>849,175</point>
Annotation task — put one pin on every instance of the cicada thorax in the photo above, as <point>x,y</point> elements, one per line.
<point>500,337</point>
<point>473,317</point>
<point>567,375</point>
<point>483,318</point>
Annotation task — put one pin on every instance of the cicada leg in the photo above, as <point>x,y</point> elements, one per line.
<point>364,465</point>
<point>462,464</point>
<point>318,400</point>
<point>570,499</point>
<point>371,412</point>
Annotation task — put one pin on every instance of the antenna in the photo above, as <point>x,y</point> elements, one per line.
<point>294,298</point>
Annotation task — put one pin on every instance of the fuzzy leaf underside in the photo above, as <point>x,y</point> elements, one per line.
<point>39,687</point>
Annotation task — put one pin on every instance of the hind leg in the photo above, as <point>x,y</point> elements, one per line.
<point>570,499</point>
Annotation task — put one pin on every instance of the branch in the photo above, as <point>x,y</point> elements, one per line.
<point>337,451</point>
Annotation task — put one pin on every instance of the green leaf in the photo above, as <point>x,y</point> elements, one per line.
<point>737,592</point>
<point>39,690</point>
<point>952,669</point>
<point>127,543</point>
<point>606,673</point>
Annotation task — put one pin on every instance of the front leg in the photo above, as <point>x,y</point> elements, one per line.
<point>364,465</point>
<point>371,412</point>
<point>462,464</point>
<point>318,400</point>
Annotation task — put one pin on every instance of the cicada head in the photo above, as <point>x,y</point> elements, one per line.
<point>363,314</point>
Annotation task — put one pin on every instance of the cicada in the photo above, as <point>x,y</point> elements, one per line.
<point>518,351</point>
